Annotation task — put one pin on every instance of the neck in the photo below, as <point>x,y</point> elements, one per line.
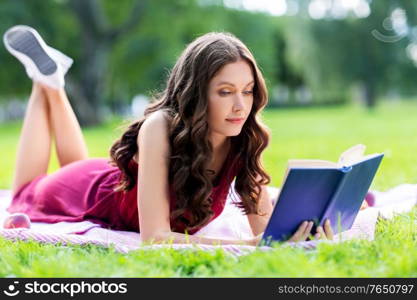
<point>219,143</point>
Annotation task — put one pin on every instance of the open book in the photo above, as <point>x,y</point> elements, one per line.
<point>318,190</point>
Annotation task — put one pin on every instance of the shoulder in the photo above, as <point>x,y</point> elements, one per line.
<point>155,124</point>
<point>157,120</point>
<point>153,134</point>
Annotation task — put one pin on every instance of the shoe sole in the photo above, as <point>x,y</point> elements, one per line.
<point>26,43</point>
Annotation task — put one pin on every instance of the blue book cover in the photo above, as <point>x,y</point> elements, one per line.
<point>316,190</point>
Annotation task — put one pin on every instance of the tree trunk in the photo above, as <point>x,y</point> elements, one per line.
<point>94,70</point>
<point>83,107</point>
<point>88,90</point>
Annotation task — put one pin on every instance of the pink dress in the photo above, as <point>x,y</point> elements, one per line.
<point>83,190</point>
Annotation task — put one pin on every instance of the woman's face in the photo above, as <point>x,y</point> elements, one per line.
<point>230,99</point>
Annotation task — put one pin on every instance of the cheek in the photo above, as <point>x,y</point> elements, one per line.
<point>217,111</point>
<point>250,103</point>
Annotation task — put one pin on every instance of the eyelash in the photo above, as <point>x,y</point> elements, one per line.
<point>223,93</point>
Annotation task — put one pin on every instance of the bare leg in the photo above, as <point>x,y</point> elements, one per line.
<point>69,140</point>
<point>34,148</point>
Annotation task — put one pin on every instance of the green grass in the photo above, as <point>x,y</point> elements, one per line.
<point>303,133</point>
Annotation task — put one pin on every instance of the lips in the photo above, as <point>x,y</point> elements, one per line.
<point>235,120</point>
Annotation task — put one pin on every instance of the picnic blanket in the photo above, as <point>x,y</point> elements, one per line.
<point>231,224</point>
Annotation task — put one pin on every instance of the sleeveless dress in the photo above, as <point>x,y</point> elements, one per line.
<point>83,190</point>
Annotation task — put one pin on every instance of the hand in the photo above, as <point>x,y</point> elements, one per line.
<point>304,231</point>
<point>326,233</point>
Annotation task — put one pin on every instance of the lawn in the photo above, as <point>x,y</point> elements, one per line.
<point>317,133</point>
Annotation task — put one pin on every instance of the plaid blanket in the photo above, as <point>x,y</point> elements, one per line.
<point>231,224</point>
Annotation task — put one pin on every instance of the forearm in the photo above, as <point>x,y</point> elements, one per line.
<point>258,224</point>
<point>180,238</point>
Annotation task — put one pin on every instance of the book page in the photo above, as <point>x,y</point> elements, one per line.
<point>311,163</point>
<point>352,155</point>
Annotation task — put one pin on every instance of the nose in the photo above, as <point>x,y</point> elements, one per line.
<point>238,104</point>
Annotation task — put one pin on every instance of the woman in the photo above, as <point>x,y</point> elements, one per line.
<point>200,133</point>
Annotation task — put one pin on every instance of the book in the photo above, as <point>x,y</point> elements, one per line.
<point>316,190</point>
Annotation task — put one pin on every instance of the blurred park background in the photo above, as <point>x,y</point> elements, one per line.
<point>324,60</point>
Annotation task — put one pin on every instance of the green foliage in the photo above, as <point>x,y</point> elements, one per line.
<point>328,56</point>
<point>335,54</point>
<point>151,50</point>
<point>140,61</point>
<point>56,25</point>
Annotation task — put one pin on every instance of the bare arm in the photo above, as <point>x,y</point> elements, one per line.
<point>153,187</point>
<point>258,223</point>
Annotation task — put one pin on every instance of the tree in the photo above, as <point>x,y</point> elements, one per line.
<point>334,54</point>
<point>83,30</point>
<point>98,38</point>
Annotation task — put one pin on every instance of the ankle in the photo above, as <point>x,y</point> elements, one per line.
<point>50,90</point>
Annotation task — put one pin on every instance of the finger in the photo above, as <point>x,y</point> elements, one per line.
<point>301,230</point>
<point>328,229</point>
<point>321,232</point>
<point>297,235</point>
<point>307,231</point>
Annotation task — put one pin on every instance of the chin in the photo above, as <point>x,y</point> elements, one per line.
<point>234,133</point>
<point>229,131</point>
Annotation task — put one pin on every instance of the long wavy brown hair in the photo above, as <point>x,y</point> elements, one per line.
<point>185,101</point>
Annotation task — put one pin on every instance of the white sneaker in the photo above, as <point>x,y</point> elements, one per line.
<point>42,63</point>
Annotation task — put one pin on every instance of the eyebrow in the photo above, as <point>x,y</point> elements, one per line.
<point>229,83</point>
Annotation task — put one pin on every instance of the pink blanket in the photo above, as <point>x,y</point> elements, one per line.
<point>231,224</point>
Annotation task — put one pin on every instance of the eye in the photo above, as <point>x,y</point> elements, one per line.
<point>248,92</point>
<point>224,93</point>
